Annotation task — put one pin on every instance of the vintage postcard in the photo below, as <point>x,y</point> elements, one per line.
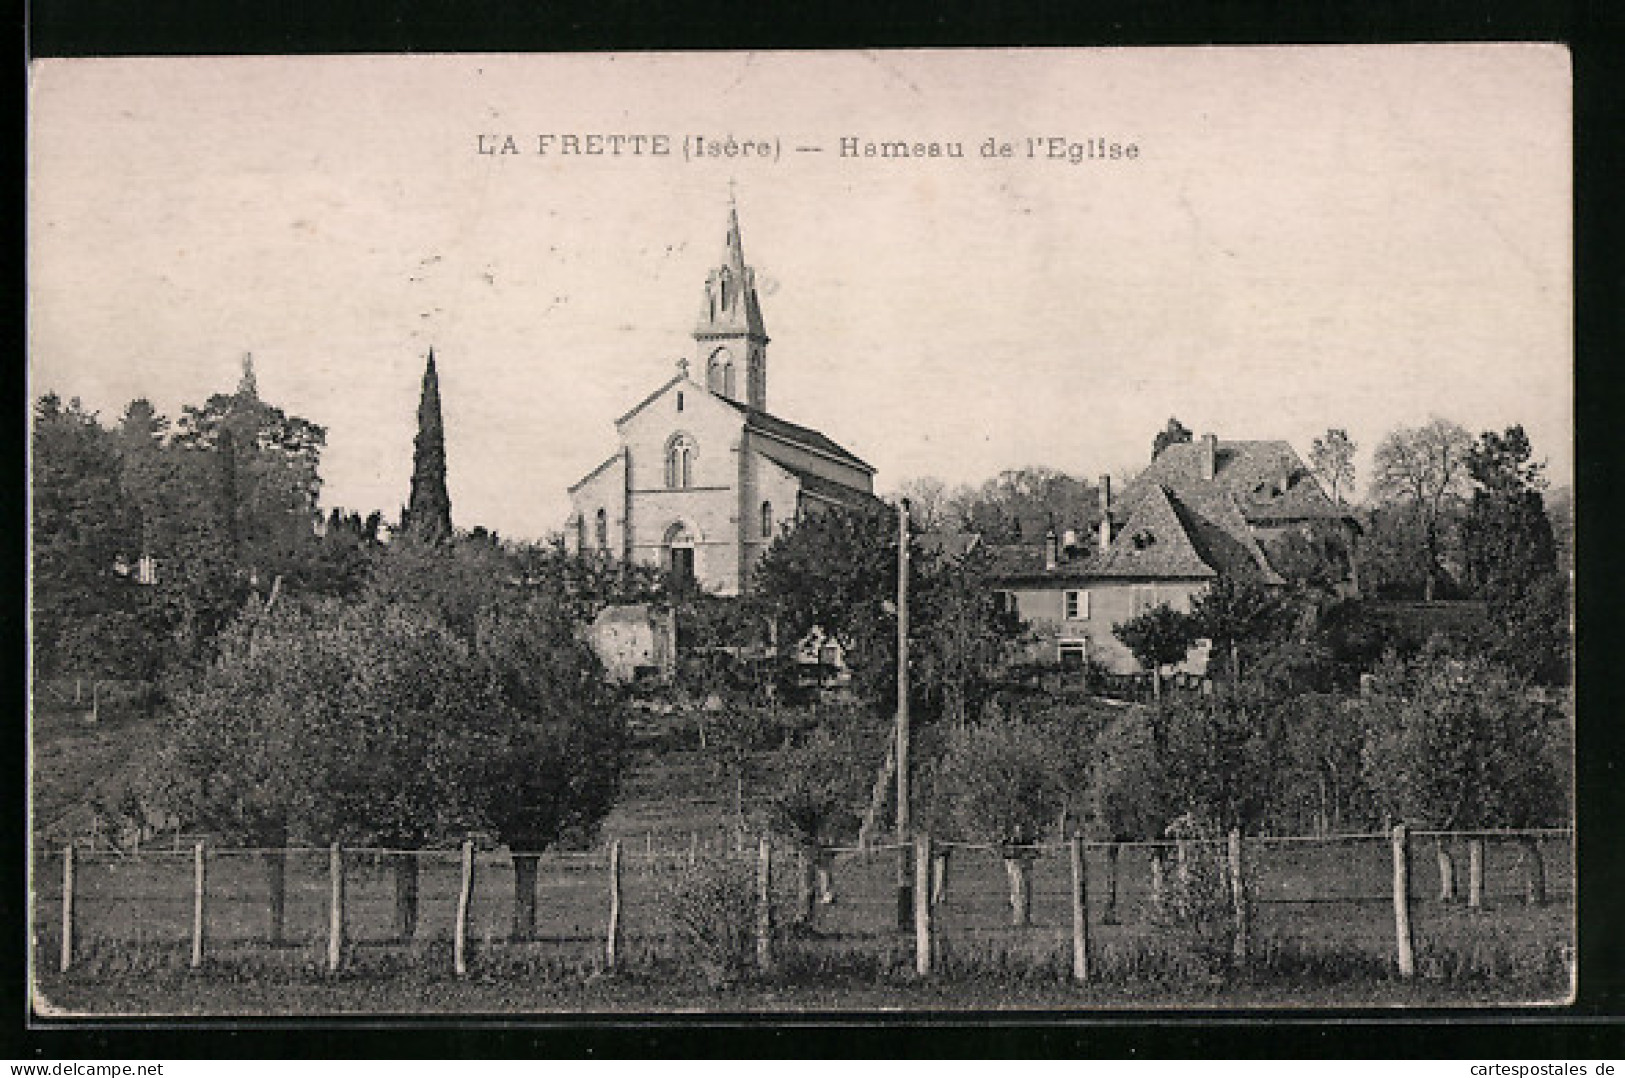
<point>1060,529</point>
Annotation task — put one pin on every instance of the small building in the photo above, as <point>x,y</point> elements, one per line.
<point>1199,510</point>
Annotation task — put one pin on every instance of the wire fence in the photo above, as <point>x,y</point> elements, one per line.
<point>632,900</point>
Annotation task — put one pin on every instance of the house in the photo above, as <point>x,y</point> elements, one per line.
<point>705,476</point>
<point>1199,509</point>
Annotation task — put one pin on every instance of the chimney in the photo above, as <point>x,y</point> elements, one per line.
<point>1105,512</point>
<point>1210,456</point>
<point>1051,554</point>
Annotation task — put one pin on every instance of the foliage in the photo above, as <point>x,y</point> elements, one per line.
<point>1196,915</point>
<point>837,572</point>
<point>86,613</point>
<point>1222,756</point>
<point>1159,636</point>
<point>711,909</point>
<point>961,631</point>
<point>428,510</point>
<point>1315,559</point>
<point>1242,617</point>
<point>997,783</point>
<point>1426,470</point>
<point>1320,787</point>
<point>1332,458</point>
<point>1024,503</point>
<point>376,722</point>
<point>823,783</point>
<point>1128,800</point>
<point>1175,433</point>
<point>1461,743</point>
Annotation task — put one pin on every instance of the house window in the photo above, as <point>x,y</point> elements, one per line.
<point>767,520</point>
<point>603,530</point>
<point>1075,605</point>
<point>1073,653</point>
<point>679,461</point>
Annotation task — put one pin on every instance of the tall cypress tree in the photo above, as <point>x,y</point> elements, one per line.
<point>428,510</point>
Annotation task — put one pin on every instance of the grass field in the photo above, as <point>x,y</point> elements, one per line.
<point>1323,927</point>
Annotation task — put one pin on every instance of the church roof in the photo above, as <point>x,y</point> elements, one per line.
<point>761,422</point>
<point>820,486</point>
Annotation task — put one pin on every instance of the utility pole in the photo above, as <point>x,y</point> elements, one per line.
<point>905,868</point>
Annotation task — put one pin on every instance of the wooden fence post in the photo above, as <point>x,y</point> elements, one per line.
<point>67,907</point>
<point>465,898</point>
<point>613,936</point>
<point>1402,902</point>
<point>1080,911</point>
<point>1475,872</point>
<point>1238,897</point>
<point>335,908</point>
<point>199,878</point>
<point>764,905</point>
<point>923,943</point>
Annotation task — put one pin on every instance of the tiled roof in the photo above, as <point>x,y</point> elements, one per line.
<point>1157,542</point>
<point>1267,479</point>
<point>774,427</point>
<point>1024,563</point>
<point>949,543</point>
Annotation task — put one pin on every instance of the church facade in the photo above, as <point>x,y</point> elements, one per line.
<point>705,476</point>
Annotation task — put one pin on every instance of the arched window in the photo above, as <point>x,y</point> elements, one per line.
<point>679,400</point>
<point>581,534</point>
<point>719,372</point>
<point>723,281</point>
<point>603,530</point>
<point>679,462</point>
<point>767,520</point>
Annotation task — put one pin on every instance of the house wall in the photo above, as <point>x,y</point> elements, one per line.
<point>765,481</point>
<point>1109,603</point>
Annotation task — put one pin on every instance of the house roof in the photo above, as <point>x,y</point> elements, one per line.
<point>949,542</point>
<point>1267,480</point>
<point>761,422</point>
<point>1159,541</point>
<point>821,487</point>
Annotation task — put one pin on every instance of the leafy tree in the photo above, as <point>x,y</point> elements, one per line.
<point>1511,555</point>
<point>1023,503</point>
<point>1321,788</point>
<point>1128,801</point>
<point>819,797</point>
<point>1223,754</point>
<point>85,602</point>
<point>1160,636</point>
<point>961,632</point>
<point>1315,559</point>
<point>1424,469</point>
<point>998,787</point>
<point>1242,617</point>
<point>1332,458</point>
<point>1175,433</point>
<point>557,740</point>
<point>929,503</point>
<point>1456,744</point>
<point>375,722</point>
<point>428,510</point>
<point>273,481</point>
<point>837,572</point>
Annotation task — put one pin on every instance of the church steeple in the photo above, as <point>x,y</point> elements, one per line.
<point>731,339</point>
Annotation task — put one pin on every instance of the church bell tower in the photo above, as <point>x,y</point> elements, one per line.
<point>730,340</point>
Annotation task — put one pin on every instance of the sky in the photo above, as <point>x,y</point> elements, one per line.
<point>1355,237</point>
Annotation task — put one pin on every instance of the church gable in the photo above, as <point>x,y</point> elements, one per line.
<point>682,438</point>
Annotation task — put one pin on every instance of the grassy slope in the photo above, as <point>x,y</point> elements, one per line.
<point>75,760</point>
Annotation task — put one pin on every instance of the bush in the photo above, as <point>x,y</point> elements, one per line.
<point>711,913</point>
<point>1196,915</point>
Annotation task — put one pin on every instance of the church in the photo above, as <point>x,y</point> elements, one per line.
<point>705,476</point>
